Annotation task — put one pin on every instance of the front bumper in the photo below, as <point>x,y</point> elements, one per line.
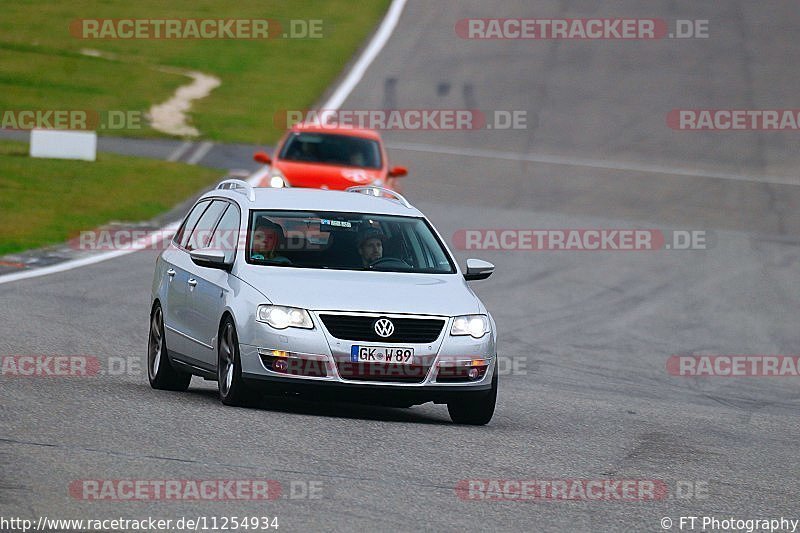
<point>318,361</point>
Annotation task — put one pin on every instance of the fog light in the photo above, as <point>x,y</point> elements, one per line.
<point>280,365</point>
<point>473,373</point>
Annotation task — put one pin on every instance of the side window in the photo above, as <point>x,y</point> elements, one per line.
<point>186,229</point>
<point>226,236</point>
<point>201,234</point>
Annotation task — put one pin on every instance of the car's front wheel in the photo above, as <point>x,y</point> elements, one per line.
<point>160,372</point>
<point>474,409</point>
<point>232,388</point>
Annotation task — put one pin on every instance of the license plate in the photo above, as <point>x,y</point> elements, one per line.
<point>381,354</point>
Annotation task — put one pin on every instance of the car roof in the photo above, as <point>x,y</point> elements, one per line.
<point>337,130</point>
<point>298,199</point>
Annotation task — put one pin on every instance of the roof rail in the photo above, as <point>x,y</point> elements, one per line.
<point>377,191</point>
<point>239,186</point>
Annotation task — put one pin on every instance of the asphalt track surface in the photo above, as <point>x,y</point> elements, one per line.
<point>591,399</point>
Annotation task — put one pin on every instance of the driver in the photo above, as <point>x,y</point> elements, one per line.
<point>267,237</point>
<point>370,245</point>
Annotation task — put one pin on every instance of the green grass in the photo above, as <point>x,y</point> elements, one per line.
<point>45,201</point>
<point>44,69</point>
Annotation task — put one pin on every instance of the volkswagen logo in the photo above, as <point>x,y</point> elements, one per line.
<point>384,327</point>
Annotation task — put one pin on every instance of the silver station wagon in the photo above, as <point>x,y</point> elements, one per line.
<point>350,295</point>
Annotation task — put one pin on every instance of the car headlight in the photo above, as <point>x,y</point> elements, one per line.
<point>277,179</point>
<point>475,325</point>
<point>281,317</point>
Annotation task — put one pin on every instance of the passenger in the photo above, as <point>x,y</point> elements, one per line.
<point>267,238</point>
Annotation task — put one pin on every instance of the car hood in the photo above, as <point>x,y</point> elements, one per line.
<point>331,176</point>
<point>383,292</point>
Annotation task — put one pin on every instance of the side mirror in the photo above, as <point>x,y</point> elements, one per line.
<point>398,172</point>
<point>210,258</point>
<point>478,269</point>
<point>262,157</point>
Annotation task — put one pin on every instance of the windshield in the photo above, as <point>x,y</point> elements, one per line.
<point>345,241</point>
<point>331,149</point>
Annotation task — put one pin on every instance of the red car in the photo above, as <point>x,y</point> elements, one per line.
<point>326,157</point>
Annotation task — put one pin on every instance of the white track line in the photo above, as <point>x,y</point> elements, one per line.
<point>370,53</point>
<point>200,153</point>
<point>149,241</point>
<point>334,102</point>
<point>590,163</point>
<point>179,151</point>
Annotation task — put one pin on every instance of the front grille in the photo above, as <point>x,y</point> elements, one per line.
<point>362,328</point>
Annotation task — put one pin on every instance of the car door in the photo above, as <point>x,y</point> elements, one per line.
<point>200,350</point>
<point>208,296</point>
<point>185,282</point>
<point>177,276</point>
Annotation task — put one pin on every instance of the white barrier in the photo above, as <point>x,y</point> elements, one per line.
<point>60,144</point>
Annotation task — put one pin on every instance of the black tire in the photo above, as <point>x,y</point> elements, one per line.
<point>232,388</point>
<point>474,409</point>
<point>160,372</point>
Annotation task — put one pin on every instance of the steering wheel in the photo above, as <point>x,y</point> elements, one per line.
<point>391,262</point>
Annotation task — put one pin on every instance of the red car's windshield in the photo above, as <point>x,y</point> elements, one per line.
<point>332,149</point>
